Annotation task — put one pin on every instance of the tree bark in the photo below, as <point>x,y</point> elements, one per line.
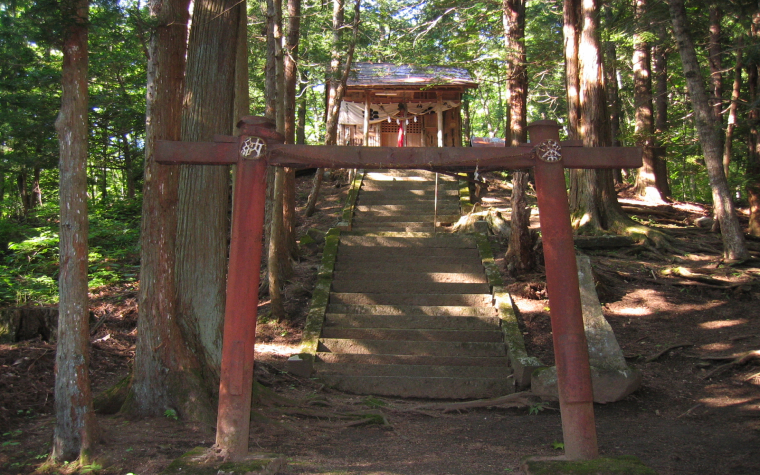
<point>646,186</point>
<point>593,199</point>
<point>714,58</point>
<point>753,155</point>
<point>613,96</point>
<point>278,255</point>
<point>571,35</point>
<point>75,422</point>
<point>661,117</point>
<point>129,173</point>
<point>166,373</point>
<point>585,189</point>
<point>732,110</point>
<point>291,79</point>
<point>336,87</point>
<point>613,101</point>
<point>734,246</point>
<point>519,257</point>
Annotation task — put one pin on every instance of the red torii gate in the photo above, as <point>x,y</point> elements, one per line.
<point>259,145</point>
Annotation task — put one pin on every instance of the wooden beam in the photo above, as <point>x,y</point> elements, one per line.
<point>447,158</point>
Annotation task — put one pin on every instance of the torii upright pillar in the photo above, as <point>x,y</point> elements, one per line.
<point>576,398</point>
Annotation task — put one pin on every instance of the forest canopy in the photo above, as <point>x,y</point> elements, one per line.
<point>470,35</point>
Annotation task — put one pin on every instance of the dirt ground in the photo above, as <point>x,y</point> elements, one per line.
<point>693,415</point>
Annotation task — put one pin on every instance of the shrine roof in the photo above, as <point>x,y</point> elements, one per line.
<point>405,75</point>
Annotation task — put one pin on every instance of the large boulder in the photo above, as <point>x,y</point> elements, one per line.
<point>611,376</point>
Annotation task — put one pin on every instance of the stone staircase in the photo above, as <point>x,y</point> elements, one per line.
<point>410,310</point>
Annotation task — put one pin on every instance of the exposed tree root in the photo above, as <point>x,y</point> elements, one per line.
<point>659,354</point>
<point>522,399</point>
<point>691,409</point>
<point>644,234</point>
<point>742,359</point>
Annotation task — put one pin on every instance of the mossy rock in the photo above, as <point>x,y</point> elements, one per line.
<point>622,465</point>
<point>199,461</point>
<point>112,399</point>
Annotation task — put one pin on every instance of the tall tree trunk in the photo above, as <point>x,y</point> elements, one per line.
<point>23,191</point>
<point>301,126</point>
<point>613,101</point>
<point>75,422</point>
<point>646,186</point>
<point>129,173</point>
<point>732,110</point>
<point>2,191</point>
<point>593,199</point>
<point>734,246</point>
<point>270,111</point>
<point>753,151</point>
<point>166,373</point>
<point>204,191</point>
<point>753,158</point>
<point>613,92</point>
<point>466,122</point>
<point>291,78</point>
<point>519,255</point>
<point>585,191</point>
<point>279,258</point>
<point>661,117</point>
<point>571,35</point>
<point>336,87</point>
<point>714,57</point>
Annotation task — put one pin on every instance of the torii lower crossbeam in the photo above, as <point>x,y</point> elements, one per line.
<point>259,145</point>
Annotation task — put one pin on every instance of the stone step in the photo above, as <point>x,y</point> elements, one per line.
<point>398,173</point>
<point>428,322</point>
<point>390,175</point>
<point>367,218</point>
<point>420,288</point>
<point>448,205</point>
<point>420,348</point>
<point>408,183</point>
<point>447,210</point>
<point>453,241</point>
<point>366,359</point>
<point>438,277</point>
<point>392,195</point>
<point>416,371</point>
<point>433,388</point>
<point>441,228</point>
<point>381,253</point>
<point>405,227</point>
<point>407,264</point>
<point>409,204</point>
<point>409,310</point>
<point>470,300</point>
<point>401,334</point>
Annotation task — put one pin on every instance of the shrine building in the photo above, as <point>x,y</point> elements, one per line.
<point>403,106</point>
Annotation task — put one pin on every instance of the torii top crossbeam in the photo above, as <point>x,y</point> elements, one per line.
<point>259,145</point>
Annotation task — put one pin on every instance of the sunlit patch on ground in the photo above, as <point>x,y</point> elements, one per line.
<point>717,347</point>
<point>715,324</point>
<point>634,311</point>
<point>277,349</point>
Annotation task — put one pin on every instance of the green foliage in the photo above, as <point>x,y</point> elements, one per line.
<point>537,408</point>
<point>29,264</point>
<point>374,402</point>
<point>171,414</point>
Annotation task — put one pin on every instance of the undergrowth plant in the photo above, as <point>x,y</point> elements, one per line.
<point>29,251</point>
